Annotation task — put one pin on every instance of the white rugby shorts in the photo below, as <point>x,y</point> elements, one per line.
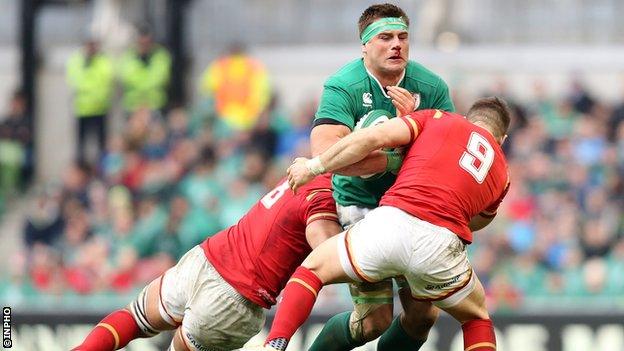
<point>389,242</point>
<point>214,316</point>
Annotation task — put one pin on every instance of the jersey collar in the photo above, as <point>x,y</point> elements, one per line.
<point>383,91</point>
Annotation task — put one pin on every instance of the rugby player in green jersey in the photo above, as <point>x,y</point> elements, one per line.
<point>383,78</point>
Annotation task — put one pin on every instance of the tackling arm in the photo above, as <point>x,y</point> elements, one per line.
<point>324,136</point>
<point>486,216</point>
<point>357,145</point>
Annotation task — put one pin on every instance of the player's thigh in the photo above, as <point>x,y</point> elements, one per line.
<point>217,316</point>
<point>147,309</point>
<point>178,284</point>
<point>471,307</point>
<point>439,270</point>
<point>324,261</point>
<point>178,343</point>
<point>153,313</point>
<point>377,247</point>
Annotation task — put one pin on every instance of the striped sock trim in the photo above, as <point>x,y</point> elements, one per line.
<point>305,285</point>
<point>112,330</point>
<point>481,344</point>
<point>138,311</point>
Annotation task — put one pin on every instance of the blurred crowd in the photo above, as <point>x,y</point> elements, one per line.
<point>162,186</point>
<point>176,175</point>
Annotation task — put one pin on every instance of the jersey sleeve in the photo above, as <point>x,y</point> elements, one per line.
<point>336,106</point>
<point>320,205</point>
<point>491,210</point>
<point>412,125</point>
<point>442,99</point>
<point>417,121</point>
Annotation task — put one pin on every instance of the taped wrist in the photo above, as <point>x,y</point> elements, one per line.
<point>315,166</point>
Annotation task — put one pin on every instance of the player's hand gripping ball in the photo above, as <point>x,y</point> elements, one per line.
<point>395,155</point>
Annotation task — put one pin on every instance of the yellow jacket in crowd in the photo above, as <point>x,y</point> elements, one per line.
<point>145,80</point>
<point>92,83</point>
<point>240,87</point>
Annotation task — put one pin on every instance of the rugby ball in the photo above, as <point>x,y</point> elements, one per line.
<point>373,118</point>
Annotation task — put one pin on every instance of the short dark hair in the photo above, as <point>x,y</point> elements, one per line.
<point>377,11</point>
<point>492,111</point>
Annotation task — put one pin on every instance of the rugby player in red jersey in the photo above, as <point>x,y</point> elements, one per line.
<point>215,295</point>
<point>454,176</point>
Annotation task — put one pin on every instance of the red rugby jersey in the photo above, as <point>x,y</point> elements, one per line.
<point>452,171</point>
<point>258,255</point>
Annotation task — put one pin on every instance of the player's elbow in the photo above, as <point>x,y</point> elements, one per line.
<point>321,230</point>
<point>479,222</point>
<point>324,136</point>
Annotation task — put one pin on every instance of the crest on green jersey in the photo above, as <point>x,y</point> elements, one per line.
<point>367,99</point>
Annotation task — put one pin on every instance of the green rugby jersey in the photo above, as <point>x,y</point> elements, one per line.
<point>351,93</point>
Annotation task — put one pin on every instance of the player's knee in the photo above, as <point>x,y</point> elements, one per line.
<point>144,310</point>
<point>470,308</point>
<point>478,309</point>
<point>177,342</point>
<point>321,269</point>
<point>377,322</point>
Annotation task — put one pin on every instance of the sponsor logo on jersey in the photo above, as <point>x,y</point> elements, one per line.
<point>416,100</point>
<point>367,100</point>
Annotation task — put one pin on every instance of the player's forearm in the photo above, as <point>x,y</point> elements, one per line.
<point>349,150</point>
<point>374,162</point>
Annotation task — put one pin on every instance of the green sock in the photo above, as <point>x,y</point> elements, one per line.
<point>335,335</point>
<point>396,339</point>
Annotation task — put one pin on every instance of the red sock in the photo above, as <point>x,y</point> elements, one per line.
<point>112,333</point>
<point>479,335</point>
<point>297,301</point>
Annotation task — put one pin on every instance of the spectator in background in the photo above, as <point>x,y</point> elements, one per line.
<point>239,86</point>
<point>44,221</point>
<point>144,73</point>
<point>15,144</point>
<point>90,76</point>
<point>76,180</point>
<point>580,98</point>
<point>263,138</point>
<point>616,119</point>
<point>296,140</point>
